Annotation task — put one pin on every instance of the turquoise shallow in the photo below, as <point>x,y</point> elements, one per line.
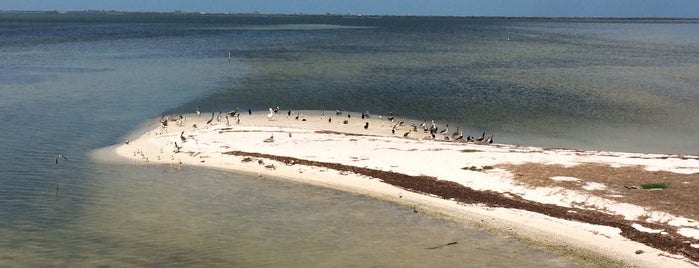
<point>71,83</point>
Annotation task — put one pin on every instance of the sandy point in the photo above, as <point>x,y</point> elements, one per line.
<point>581,204</point>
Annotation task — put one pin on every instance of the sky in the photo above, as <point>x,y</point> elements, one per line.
<point>516,8</point>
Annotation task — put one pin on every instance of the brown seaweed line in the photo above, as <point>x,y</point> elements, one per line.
<point>672,242</point>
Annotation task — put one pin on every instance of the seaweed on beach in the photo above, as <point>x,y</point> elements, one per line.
<point>671,242</point>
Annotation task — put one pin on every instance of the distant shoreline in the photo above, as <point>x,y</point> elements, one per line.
<point>254,14</point>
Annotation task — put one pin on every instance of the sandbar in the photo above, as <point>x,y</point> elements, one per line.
<point>570,201</point>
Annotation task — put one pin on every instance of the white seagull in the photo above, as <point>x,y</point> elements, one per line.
<point>271,114</point>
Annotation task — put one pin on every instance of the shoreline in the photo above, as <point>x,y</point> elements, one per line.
<point>465,182</point>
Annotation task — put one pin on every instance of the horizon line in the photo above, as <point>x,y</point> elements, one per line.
<point>95,11</point>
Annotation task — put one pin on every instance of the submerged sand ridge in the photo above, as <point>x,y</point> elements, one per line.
<point>496,183</point>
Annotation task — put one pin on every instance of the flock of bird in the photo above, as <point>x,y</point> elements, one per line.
<point>431,130</point>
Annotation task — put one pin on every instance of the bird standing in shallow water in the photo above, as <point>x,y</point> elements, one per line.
<point>60,156</point>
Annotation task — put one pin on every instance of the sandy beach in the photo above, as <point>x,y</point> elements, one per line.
<point>588,204</point>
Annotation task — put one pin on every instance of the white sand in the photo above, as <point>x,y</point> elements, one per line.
<point>385,151</point>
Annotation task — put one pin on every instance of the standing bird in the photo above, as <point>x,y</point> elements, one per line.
<point>163,121</point>
<point>366,126</point>
<point>212,118</point>
<point>183,138</point>
<point>481,137</point>
<point>489,139</point>
<point>271,114</point>
<point>445,131</point>
<point>249,112</point>
<point>198,111</point>
<point>456,133</point>
<point>61,157</point>
<point>233,112</point>
<point>177,148</point>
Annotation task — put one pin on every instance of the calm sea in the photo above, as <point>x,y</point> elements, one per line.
<point>71,83</point>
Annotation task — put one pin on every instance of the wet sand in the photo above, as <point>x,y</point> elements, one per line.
<point>470,182</point>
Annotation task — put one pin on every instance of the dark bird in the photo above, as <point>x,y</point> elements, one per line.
<point>469,138</point>
<point>276,109</point>
<point>288,113</point>
<point>406,134</point>
<point>330,119</point>
<point>481,137</point>
<point>212,118</point>
<point>177,148</point>
<point>163,121</point>
<point>393,130</point>
<point>235,111</point>
<point>445,131</point>
<point>456,133</point>
<point>60,156</point>
<point>337,112</point>
<point>182,136</point>
<point>249,112</point>
<point>391,116</point>
<point>349,116</point>
<point>489,139</point>
<point>366,126</point>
